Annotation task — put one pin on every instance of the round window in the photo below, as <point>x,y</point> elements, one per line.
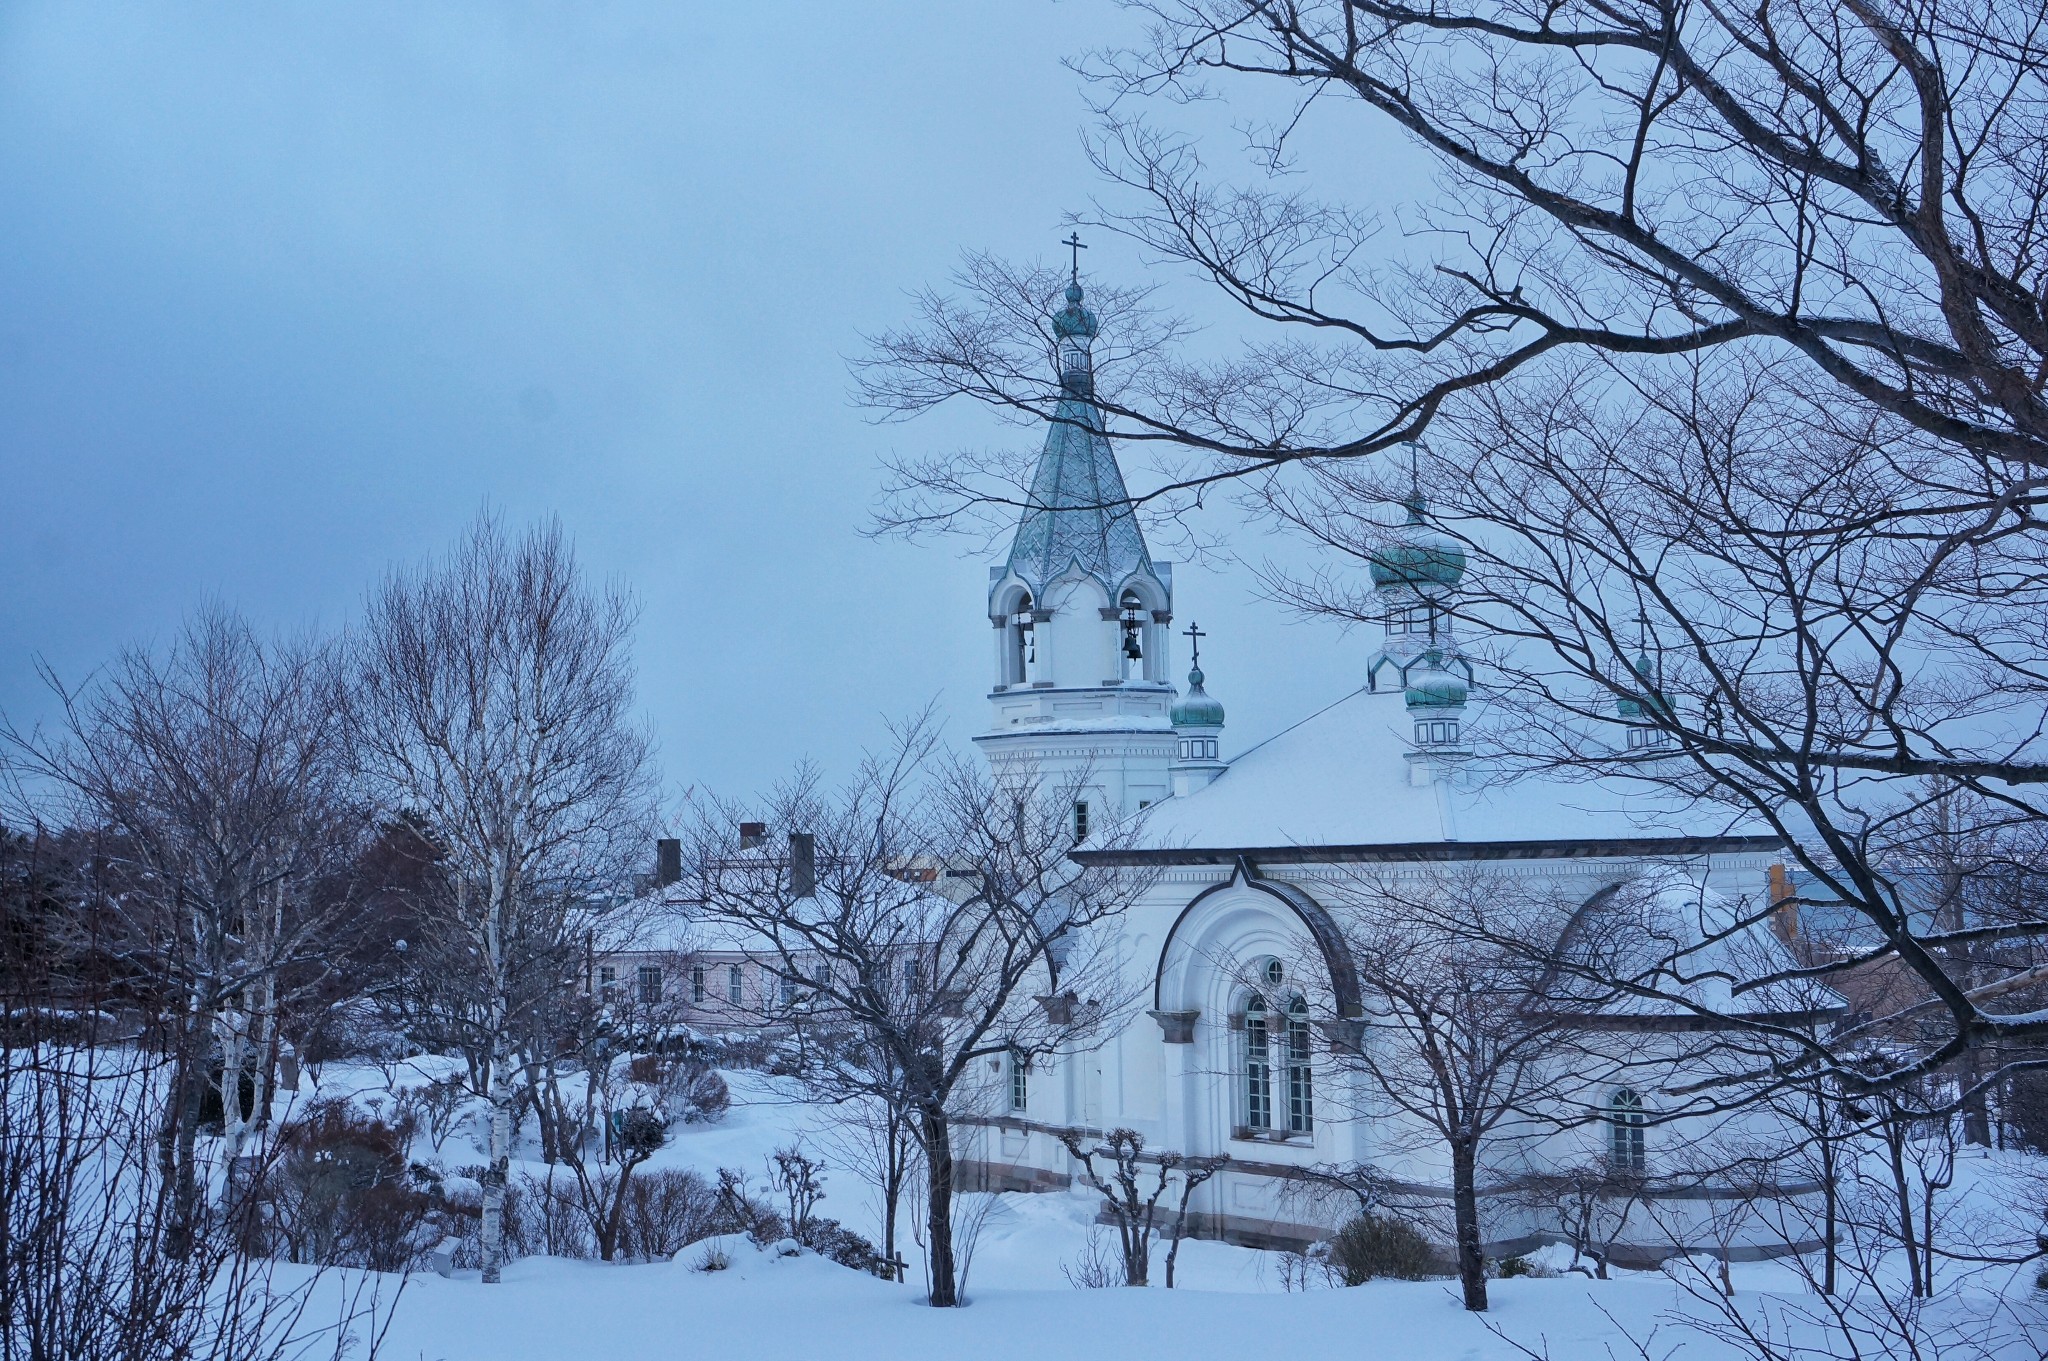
<point>1275,975</point>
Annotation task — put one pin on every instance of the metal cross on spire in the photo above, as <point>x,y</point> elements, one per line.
<point>1193,633</point>
<point>1075,244</point>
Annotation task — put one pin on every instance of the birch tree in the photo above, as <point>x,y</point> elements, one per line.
<point>218,771</point>
<point>494,700</point>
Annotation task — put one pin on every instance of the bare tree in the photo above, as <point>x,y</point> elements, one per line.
<point>219,771</point>
<point>86,1203</point>
<point>1133,1207</point>
<point>1725,330</point>
<point>928,921</point>
<point>494,701</point>
<point>1472,1037</point>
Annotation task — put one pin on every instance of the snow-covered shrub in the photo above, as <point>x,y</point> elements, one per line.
<point>341,1193</point>
<point>685,1084</point>
<point>836,1243</point>
<point>700,1099</point>
<point>739,1211</point>
<point>666,1211</point>
<point>1373,1247</point>
<point>740,1049</point>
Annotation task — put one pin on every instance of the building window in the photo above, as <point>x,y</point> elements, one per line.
<point>696,982</point>
<point>1301,1107</point>
<point>1626,1119</point>
<point>732,984</point>
<point>913,979</point>
<point>1020,1082</point>
<point>1414,619</point>
<point>885,981</point>
<point>607,980</point>
<point>1647,739</point>
<point>650,984</point>
<point>1436,732</point>
<point>1258,1066</point>
<point>787,991</point>
<point>1081,821</point>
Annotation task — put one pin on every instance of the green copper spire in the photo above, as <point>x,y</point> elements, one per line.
<point>1079,513</point>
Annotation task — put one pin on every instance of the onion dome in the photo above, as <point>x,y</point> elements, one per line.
<point>1434,685</point>
<point>1422,558</point>
<point>1642,710</point>
<point>1197,709</point>
<point>1074,320</point>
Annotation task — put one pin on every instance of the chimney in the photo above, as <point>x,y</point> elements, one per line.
<point>668,861</point>
<point>752,834</point>
<point>803,864</point>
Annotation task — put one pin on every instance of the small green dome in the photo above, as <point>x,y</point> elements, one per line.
<point>1433,685</point>
<point>1197,709</point>
<point>1635,710</point>
<point>1074,319</point>
<point>1422,558</point>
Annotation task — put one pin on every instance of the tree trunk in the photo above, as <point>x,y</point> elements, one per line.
<point>615,1222</point>
<point>892,1196</point>
<point>1465,1203</point>
<point>495,1173</point>
<point>182,1134</point>
<point>1831,1211</point>
<point>1909,1237</point>
<point>936,1134</point>
<point>1976,1111</point>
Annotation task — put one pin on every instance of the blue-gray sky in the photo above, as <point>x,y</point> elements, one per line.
<point>288,292</point>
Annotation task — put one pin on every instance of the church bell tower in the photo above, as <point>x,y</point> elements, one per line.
<point>1080,614</point>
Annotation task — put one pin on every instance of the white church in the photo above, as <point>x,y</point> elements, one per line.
<point>1251,998</point>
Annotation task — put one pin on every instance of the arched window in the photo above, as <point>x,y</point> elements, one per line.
<point>1626,1119</point>
<point>1301,1108</point>
<point>1258,1065</point>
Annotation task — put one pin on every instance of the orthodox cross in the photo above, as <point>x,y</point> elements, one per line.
<point>1193,633</point>
<point>1074,243</point>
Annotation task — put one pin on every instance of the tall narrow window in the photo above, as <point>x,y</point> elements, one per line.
<point>1301,1109</point>
<point>885,981</point>
<point>732,984</point>
<point>1020,1082</point>
<point>1258,1066</point>
<point>787,991</point>
<point>1626,1119</point>
<point>913,979</point>
<point>696,982</point>
<point>607,981</point>
<point>650,984</point>
<point>1081,821</point>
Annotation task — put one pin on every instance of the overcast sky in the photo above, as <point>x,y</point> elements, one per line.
<point>288,292</point>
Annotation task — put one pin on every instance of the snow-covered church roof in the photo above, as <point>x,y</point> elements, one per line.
<point>1343,778</point>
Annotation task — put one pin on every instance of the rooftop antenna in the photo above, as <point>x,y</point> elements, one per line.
<point>1076,245</point>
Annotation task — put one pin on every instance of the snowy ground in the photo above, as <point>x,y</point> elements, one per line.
<point>1232,1303</point>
